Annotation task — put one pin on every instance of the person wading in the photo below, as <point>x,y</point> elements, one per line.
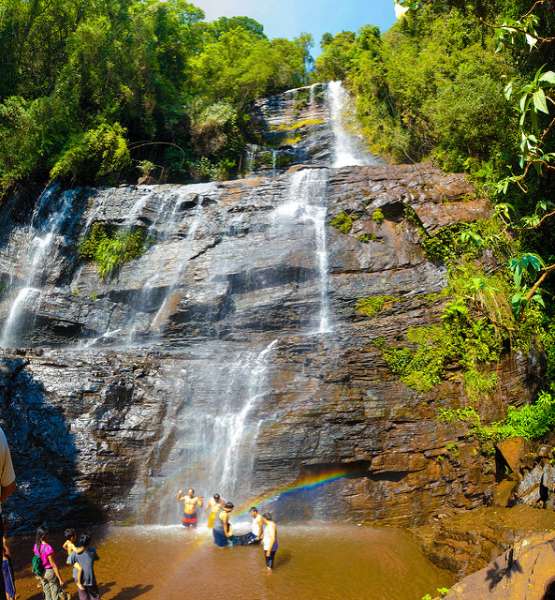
<point>213,507</point>
<point>222,531</point>
<point>269,540</point>
<point>190,505</point>
<point>7,488</point>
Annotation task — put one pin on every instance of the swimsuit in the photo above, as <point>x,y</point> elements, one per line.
<point>189,520</point>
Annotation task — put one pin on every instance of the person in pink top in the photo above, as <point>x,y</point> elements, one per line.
<point>52,583</point>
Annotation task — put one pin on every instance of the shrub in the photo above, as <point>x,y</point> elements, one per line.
<point>343,222</point>
<point>378,216</point>
<point>372,305</point>
<point>531,421</point>
<point>293,127</point>
<point>94,154</point>
<point>109,250</point>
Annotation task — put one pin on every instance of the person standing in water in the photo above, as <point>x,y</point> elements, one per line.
<point>190,505</point>
<point>255,536</point>
<point>83,559</point>
<point>213,507</point>
<point>269,540</point>
<point>222,530</point>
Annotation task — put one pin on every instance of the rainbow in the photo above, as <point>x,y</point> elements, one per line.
<point>304,484</point>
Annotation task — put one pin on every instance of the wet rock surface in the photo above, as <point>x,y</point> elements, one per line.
<point>127,378</point>
<point>333,401</point>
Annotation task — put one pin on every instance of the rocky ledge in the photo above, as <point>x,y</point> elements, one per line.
<point>95,427</point>
<point>524,571</point>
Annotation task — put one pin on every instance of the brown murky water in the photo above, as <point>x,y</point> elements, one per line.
<point>331,562</point>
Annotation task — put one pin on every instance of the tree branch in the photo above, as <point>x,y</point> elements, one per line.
<point>546,272</point>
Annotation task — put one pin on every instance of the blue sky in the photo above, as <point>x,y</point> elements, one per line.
<point>289,18</point>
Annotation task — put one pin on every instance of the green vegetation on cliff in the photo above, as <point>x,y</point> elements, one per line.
<point>90,90</point>
<point>110,249</point>
<point>468,86</point>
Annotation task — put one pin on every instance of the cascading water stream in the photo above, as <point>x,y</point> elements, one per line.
<point>306,203</point>
<point>348,148</point>
<point>238,424</point>
<point>44,231</point>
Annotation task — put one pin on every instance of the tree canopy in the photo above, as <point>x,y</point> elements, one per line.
<point>90,88</point>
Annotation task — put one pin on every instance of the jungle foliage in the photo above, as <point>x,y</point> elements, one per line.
<point>469,85</point>
<point>92,89</point>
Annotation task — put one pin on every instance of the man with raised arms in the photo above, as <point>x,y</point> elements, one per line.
<point>190,505</point>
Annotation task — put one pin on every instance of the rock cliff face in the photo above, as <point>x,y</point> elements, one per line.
<point>230,355</point>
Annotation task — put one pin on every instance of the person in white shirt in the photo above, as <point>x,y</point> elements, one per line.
<point>269,540</point>
<point>7,488</point>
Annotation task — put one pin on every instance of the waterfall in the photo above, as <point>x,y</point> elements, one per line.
<point>306,203</point>
<point>236,423</point>
<point>348,148</point>
<point>212,426</point>
<point>50,220</point>
<point>170,209</point>
<point>161,315</point>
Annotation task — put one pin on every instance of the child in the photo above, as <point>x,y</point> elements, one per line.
<point>84,556</point>
<point>7,571</point>
<point>69,546</point>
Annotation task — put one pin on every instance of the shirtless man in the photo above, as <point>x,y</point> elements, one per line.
<point>190,505</point>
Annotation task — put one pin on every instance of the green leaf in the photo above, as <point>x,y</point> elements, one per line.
<point>548,77</point>
<point>540,101</point>
<point>509,90</point>
<point>523,103</point>
<point>538,300</point>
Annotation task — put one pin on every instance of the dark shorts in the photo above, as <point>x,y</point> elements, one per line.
<point>189,520</point>
<point>249,539</point>
<point>220,539</point>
